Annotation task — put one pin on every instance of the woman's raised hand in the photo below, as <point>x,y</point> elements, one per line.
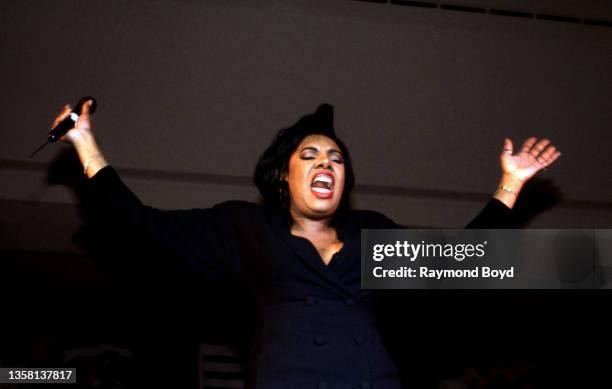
<point>82,126</point>
<point>83,140</point>
<point>533,157</point>
<point>520,167</point>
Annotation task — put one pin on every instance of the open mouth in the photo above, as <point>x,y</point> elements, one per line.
<point>322,185</point>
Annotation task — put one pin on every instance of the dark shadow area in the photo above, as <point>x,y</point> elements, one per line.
<point>134,317</point>
<point>498,339</point>
<point>537,196</point>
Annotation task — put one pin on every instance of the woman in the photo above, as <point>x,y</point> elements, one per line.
<point>298,252</point>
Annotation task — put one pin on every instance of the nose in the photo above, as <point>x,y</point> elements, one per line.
<point>324,163</point>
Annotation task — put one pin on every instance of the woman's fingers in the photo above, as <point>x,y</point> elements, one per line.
<point>508,147</point>
<point>82,125</point>
<point>542,150</point>
<point>65,113</point>
<point>537,149</point>
<point>84,122</point>
<point>551,159</point>
<point>528,144</point>
<point>546,154</point>
<point>85,108</point>
<point>535,154</point>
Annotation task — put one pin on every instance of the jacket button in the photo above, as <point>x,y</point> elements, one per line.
<point>319,341</point>
<point>365,385</point>
<point>349,302</point>
<point>310,301</point>
<point>359,340</point>
<point>322,385</point>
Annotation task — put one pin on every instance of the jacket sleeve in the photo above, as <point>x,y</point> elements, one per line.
<point>201,237</point>
<point>494,215</point>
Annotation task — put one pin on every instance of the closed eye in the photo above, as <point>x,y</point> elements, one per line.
<point>336,157</point>
<point>309,153</point>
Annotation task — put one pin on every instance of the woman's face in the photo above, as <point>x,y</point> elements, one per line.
<point>316,178</point>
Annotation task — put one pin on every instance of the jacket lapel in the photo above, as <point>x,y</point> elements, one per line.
<point>306,252</point>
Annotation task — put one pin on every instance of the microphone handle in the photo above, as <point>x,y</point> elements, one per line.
<point>69,122</point>
<point>63,127</point>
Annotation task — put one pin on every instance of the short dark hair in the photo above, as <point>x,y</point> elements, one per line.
<point>273,164</point>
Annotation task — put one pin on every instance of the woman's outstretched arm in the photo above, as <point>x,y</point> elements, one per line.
<point>199,237</point>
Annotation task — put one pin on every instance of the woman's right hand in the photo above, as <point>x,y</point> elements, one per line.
<point>82,127</point>
<point>83,140</point>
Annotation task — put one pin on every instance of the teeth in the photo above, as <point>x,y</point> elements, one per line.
<point>322,190</point>
<point>323,178</point>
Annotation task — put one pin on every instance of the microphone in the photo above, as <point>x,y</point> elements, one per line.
<point>68,123</point>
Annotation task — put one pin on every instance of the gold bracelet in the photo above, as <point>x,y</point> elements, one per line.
<point>506,188</point>
<point>86,164</point>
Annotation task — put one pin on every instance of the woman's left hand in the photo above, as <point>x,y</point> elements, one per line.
<point>518,168</point>
<point>533,157</point>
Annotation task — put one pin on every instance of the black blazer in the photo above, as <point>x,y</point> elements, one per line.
<point>317,328</point>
